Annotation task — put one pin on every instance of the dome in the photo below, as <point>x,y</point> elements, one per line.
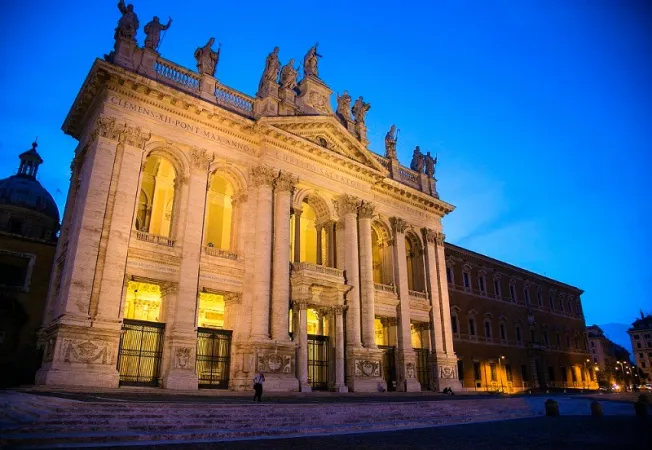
<point>24,191</point>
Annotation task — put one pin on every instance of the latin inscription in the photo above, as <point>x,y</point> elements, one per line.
<point>170,120</point>
<point>319,170</point>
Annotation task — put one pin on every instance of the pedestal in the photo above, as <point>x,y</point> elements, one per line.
<point>207,86</point>
<point>364,370</point>
<point>80,356</point>
<point>146,66</point>
<point>407,372</point>
<point>287,106</point>
<point>267,106</point>
<point>179,363</point>
<point>314,96</point>
<point>446,374</point>
<point>126,53</point>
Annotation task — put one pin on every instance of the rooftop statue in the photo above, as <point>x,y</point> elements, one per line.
<point>417,160</point>
<point>344,106</point>
<point>390,142</point>
<point>430,165</point>
<point>153,32</point>
<point>289,76</point>
<point>207,59</point>
<point>270,74</point>
<point>359,110</point>
<point>310,62</point>
<point>128,23</point>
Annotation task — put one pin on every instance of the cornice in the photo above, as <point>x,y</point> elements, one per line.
<point>412,197</point>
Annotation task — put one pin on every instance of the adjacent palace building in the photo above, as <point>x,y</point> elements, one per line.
<point>209,235</point>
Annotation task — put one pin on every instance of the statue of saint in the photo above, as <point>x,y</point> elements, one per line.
<point>390,143</point>
<point>207,59</point>
<point>430,165</point>
<point>310,62</point>
<point>153,32</point>
<point>417,160</point>
<point>359,110</point>
<point>289,76</point>
<point>270,74</point>
<point>344,106</point>
<point>128,23</point>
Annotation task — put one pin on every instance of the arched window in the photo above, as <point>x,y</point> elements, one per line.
<point>455,325</point>
<point>219,213</point>
<point>382,255</point>
<point>157,197</point>
<point>414,259</point>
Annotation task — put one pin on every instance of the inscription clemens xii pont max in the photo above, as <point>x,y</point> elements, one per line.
<point>199,131</point>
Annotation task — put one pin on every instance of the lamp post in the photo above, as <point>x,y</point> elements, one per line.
<point>622,369</point>
<point>499,371</point>
<point>586,374</point>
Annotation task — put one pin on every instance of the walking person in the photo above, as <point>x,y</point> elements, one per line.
<point>259,379</point>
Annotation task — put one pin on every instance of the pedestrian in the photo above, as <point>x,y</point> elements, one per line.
<point>259,379</point>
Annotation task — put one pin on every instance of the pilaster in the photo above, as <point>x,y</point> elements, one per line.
<point>348,208</point>
<point>339,385</point>
<point>300,308</point>
<point>365,213</point>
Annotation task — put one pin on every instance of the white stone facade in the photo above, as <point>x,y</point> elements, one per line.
<point>278,152</point>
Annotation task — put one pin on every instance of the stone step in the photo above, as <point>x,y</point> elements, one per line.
<point>68,439</point>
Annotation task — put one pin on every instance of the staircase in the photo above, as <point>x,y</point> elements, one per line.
<point>48,422</point>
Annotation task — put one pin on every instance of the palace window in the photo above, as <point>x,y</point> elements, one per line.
<point>545,338</point>
<point>518,335</point>
<point>551,301</point>
<point>219,214</point>
<point>524,374</point>
<point>497,291</point>
<point>143,302</point>
<point>415,269</point>
<point>551,374</point>
<point>481,283</point>
<point>503,335</point>
<point>383,264</point>
<point>539,297</point>
<point>531,335</point>
<point>526,294</point>
<point>472,327</point>
<point>15,269</point>
<point>449,275</point>
<point>465,276</point>
<point>512,292</point>
<point>476,371</point>
<point>492,371</point>
<point>561,305</point>
<point>156,202</point>
<point>454,322</point>
<point>564,374</point>
<point>508,372</point>
<point>487,329</point>
<point>558,340</point>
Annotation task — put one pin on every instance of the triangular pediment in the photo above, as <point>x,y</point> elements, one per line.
<point>329,133</point>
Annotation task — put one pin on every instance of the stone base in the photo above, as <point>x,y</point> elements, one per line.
<point>79,356</point>
<point>446,373</point>
<point>367,384</point>
<point>181,380</point>
<point>280,383</point>
<point>305,387</point>
<point>410,385</point>
<point>314,96</point>
<point>444,383</point>
<point>341,388</point>
<point>267,106</point>
<point>364,370</point>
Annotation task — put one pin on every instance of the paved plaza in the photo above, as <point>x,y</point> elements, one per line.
<point>123,418</point>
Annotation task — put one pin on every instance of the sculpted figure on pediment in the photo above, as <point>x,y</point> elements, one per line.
<point>128,23</point>
<point>153,32</point>
<point>359,110</point>
<point>207,59</point>
<point>390,142</point>
<point>417,160</point>
<point>310,62</point>
<point>430,163</point>
<point>289,75</point>
<point>270,74</point>
<point>344,106</point>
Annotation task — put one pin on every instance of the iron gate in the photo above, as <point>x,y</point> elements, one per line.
<point>213,358</point>
<point>423,369</point>
<point>318,361</point>
<point>389,366</point>
<point>139,355</point>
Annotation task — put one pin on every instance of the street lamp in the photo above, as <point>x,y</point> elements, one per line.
<point>586,374</point>
<point>623,364</point>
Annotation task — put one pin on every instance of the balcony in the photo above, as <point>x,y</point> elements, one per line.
<point>155,239</point>
<point>218,252</point>
<point>385,288</point>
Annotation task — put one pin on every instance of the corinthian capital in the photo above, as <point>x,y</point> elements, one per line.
<point>398,225</point>
<point>262,176</point>
<point>440,237</point>
<point>285,182</point>
<point>366,210</point>
<point>200,158</point>
<point>429,235</point>
<point>110,128</point>
<point>347,204</point>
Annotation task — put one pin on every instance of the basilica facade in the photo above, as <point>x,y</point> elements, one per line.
<point>210,235</point>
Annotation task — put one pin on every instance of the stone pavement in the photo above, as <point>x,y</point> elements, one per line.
<point>38,421</point>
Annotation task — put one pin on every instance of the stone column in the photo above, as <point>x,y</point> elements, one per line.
<point>436,334</point>
<point>339,385</point>
<point>348,208</point>
<point>297,235</point>
<point>300,307</point>
<point>284,185</point>
<point>262,178</point>
<point>318,229</point>
<point>180,333</point>
<point>444,355</point>
<point>405,356</point>
<point>365,213</point>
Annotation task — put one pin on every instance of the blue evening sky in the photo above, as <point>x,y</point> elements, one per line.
<point>540,111</point>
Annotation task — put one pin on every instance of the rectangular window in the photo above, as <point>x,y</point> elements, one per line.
<point>13,269</point>
<point>454,323</point>
<point>526,293</point>
<point>472,327</point>
<point>502,331</point>
<point>492,371</point>
<point>481,284</point>
<point>539,298</point>
<point>460,370</point>
<point>476,370</point>
<point>552,303</point>
<point>497,290</point>
<point>449,278</point>
<point>518,334</point>
<point>567,342</point>
<point>573,375</point>
<point>545,338</point>
<point>564,374</point>
<point>551,374</point>
<point>561,305</point>
<point>524,373</point>
<point>487,329</point>
<point>465,276</point>
<point>508,372</point>
<point>512,293</point>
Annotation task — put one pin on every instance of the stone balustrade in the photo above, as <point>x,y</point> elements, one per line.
<point>332,271</point>
<point>155,239</point>
<point>212,251</point>
<point>234,101</point>
<point>418,295</point>
<point>168,72</point>
<point>385,288</point>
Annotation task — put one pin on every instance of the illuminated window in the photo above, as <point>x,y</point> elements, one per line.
<point>508,372</point>
<point>157,197</point>
<point>143,302</point>
<point>219,213</point>
<point>210,313</point>
<point>492,371</point>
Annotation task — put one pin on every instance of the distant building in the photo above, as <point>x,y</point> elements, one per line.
<point>602,349</point>
<point>641,335</point>
<point>29,222</point>
<point>515,329</point>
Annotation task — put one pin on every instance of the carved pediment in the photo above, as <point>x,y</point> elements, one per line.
<point>327,132</point>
